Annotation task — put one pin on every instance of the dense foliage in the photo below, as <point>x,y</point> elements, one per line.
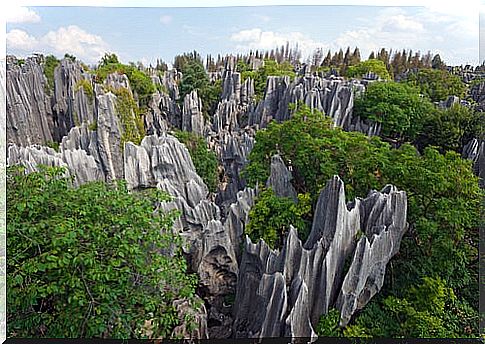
<point>194,77</point>
<point>140,82</point>
<point>450,129</point>
<point>204,159</point>
<point>271,216</point>
<point>269,68</point>
<point>96,261</point>
<point>443,203</point>
<point>397,106</point>
<point>369,66</point>
<point>50,64</point>
<point>437,84</point>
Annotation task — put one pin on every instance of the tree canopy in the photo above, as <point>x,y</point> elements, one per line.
<point>372,65</point>
<point>94,261</point>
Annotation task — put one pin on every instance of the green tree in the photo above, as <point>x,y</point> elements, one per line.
<point>195,78</point>
<point>205,160</point>
<point>271,216</point>
<point>397,106</point>
<point>94,261</point>
<point>437,84</point>
<point>108,59</point>
<point>372,65</point>
<point>450,129</point>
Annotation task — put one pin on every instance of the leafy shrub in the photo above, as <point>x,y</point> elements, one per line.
<point>130,117</point>
<point>450,129</point>
<point>271,216</point>
<point>205,160</point>
<point>50,64</point>
<point>87,87</point>
<point>89,262</point>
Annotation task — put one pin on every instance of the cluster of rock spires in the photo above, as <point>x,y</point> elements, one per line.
<point>277,293</point>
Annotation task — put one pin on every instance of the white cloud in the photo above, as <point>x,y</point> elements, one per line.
<point>21,40</point>
<point>71,39</point>
<point>17,14</point>
<point>165,20</point>
<point>267,40</point>
<point>429,29</point>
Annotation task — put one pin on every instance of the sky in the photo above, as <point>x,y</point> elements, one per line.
<point>147,33</point>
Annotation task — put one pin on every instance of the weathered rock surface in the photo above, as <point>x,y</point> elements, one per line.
<point>302,281</point>
<point>72,105</point>
<point>192,117</point>
<point>280,179</point>
<point>29,115</point>
<point>475,151</point>
<point>334,97</point>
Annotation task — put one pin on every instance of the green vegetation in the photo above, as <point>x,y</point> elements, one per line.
<point>437,84</point>
<point>271,216</point>
<point>195,78</point>
<point>372,65</point>
<point>50,64</point>
<point>205,160</point>
<point>87,87</point>
<point>269,68</point>
<point>130,116</point>
<point>397,106</point>
<point>140,83</point>
<point>450,129</point>
<point>93,126</point>
<point>443,209</point>
<point>90,262</point>
<point>53,144</point>
<point>70,57</point>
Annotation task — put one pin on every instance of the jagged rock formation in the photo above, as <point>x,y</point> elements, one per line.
<point>334,97</point>
<point>192,117</point>
<point>72,105</point>
<point>280,179</point>
<point>29,115</point>
<point>284,293</point>
<point>475,151</point>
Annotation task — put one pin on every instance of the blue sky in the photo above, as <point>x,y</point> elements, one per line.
<point>144,34</point>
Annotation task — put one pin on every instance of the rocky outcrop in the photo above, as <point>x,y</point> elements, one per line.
<point>475,151</point>
<point>73,103</point>
<point>280,179</point>
<point>285,292</point>
<point>29,115</point>
<point>192,117</point>
<point>334,97</point>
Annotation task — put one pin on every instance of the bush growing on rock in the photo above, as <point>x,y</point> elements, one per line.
<point>90,262</point>
<point>205,160</point>
<point>271,216</point>
<point>140,83</point>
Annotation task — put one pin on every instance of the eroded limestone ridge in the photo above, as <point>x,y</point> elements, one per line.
<point>284,293</point>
